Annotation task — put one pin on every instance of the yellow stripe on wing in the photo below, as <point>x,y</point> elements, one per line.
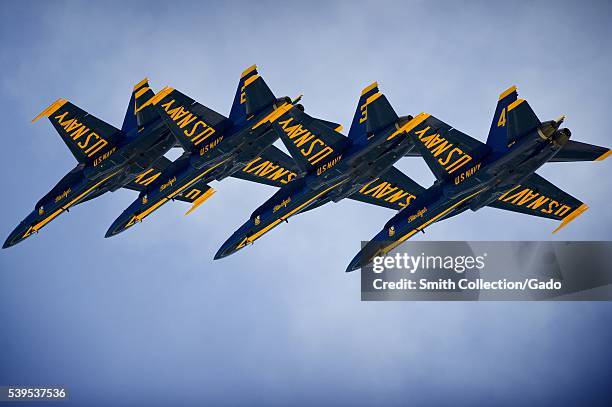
<point>603,156</point>
<point>52,108</point>
<point>573,215</point>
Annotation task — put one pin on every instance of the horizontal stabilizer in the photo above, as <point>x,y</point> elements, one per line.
<point>577,151</point>
<point>196,194</point>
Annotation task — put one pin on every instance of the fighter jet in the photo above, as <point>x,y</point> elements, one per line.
<point>108,158</point>
<point>499,174</point>
<point>216,147</point>
<point>333,167</point>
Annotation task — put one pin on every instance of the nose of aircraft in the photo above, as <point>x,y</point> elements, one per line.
<point>230,246</point>
<point>119,225</point>
<point>365,255</point>
<point>16,235</point>
<point>356,263</point>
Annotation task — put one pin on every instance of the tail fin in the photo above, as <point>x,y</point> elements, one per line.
<point>379,113</point>
<point>521,120</point>
<point>135,116</point>
<point>374,112</point>
<point>252,96</point>
<point>498,134</point>
<point>358,126</point>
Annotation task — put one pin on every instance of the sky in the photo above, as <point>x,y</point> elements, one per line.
<point>148,318</point>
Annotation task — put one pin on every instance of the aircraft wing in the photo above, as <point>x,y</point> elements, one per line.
<point>87,137</point>
<point>332,125</point>
<point>393,189</point>
<point>272,167</point>
<point>145,178</point>
<point>538,197</point>
<point>193,124</point>
<point>446,150</point>
<point>310,141</point>
<point>577,151</point>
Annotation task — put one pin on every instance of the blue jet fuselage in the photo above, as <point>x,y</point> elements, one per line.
<point>226,154</point>
<point>493,177</point>
<point>344,174</point>
<point>137,151</point>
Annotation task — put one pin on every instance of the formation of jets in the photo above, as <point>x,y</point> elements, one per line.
<point>324,165</point>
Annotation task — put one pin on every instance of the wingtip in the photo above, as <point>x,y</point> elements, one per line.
<point>603,156</point>
<point>52,108</point>
<point>573,215</point>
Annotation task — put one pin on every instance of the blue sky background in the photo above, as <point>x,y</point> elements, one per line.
<point>148,318</point>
